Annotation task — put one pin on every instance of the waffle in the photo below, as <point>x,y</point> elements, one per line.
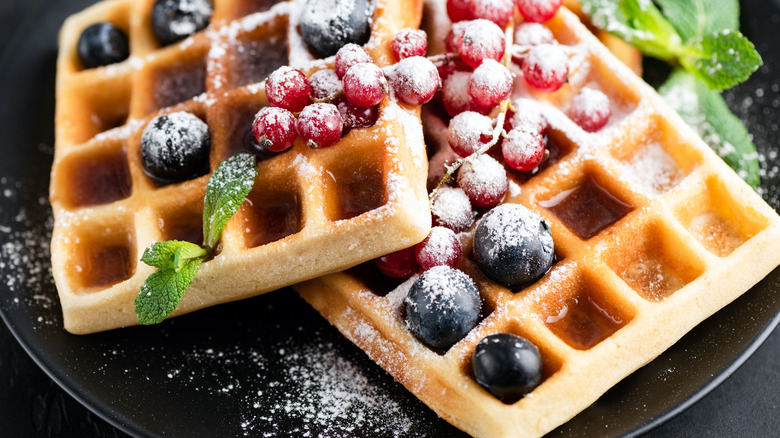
<point>310,212</point>
<point>653,234</point>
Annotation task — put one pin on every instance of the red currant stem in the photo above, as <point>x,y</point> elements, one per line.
<point>443,58</point>
<point>498,131</point>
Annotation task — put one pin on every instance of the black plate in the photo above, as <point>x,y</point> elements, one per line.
<point>271,365</point>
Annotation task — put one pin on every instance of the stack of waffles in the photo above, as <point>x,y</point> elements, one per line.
<point>311,212</point>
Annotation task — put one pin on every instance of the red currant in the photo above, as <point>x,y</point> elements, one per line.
<point>441,248</point>
<point>538,11</point>
<point>451,208</point>
<point>532,34</point>
<point>288,88</point>
<point>484,181</point>
<point>325,84</point>
<point>408,43</point>
<point>458,10</point>
<point>365,85</point>
<point>490,83</point>
<point>455,36</point>
<point>497,11</point>
<point>415,80</point>
<point>546,67</point>
<point>399,264</point>
<point>456,97</point>
<point>348,56</point>
<point>274,128</point>
<point>468,131</point>
<point>523,150</point>
<point>355,116</point>
<point>482,39</point>
<point>590,109</point>
<point>527,116</point>
<point>320,125</point>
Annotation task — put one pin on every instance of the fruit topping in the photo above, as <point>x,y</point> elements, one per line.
<point>175,147</point>
<point>399,264</point>
<point>174,20</point>
<point>590,109</point>
<point>528,117</point>
<point>288,88</point>
<point>350,55</point>
<point>490,83</point>
<point>408,43</point>
<point>327,25</point>
<point>508,366</point>
<point>497,11</point>
<point>513,245</point>
<point>451,208</point>
<point>354,116</point>
<point>523,150</point>
<point>365,85</point>
<point>440,248</point>
<point>325,84</point>
<point>481,39</point>
<point>102,44</point>
<point>415,80</point>
<point>443,305</point>
<point>458,10</point>
<point>468,131</point>
<point>532,34</point>
<point>274,128</point>
<point>546,67</point>
<point>456,97</point>
<point>538,11</point>
<point>484,181</point>
<point>320,125</point>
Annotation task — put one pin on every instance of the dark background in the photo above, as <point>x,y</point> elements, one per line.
<point>746,404</point>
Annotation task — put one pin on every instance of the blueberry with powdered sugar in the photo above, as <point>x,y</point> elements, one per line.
<point>443,305</point>
<point>102,44</point>
<point>175,20</point>
<point>175,147</point>
<point>327,25</point>
<point>513,245</point>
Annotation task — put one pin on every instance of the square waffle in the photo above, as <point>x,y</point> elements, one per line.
<point>653,234</point>
<point>310,212</point>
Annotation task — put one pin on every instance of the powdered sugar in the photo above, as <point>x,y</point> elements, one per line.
<point>653,169</point>
<point>452,208</point>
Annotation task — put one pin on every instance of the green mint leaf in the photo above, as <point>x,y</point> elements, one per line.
<point>722,59</point>
<point>225,192</point>
<point>706,111</point>
<point>697,18</point>
<point>162,291</point>
<point>171,254</point>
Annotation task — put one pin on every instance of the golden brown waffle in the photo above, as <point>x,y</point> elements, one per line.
<point>653,234</point>
<point>311,211</point>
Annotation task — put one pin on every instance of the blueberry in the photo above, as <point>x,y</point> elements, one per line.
<point>508,366</point>
<point>328,25</point>
<point>513,245</point>
<point>443,305</point>
<point>175,147</point>
<point>174,20</point>
<point>102,44</point>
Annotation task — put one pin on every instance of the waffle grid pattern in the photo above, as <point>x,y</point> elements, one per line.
<point>653,234</point>
<point>311,211</point>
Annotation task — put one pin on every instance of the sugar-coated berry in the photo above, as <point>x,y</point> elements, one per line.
<point>456,97</point>
<point>507,366</point>
<point>532,34</point>
<point>399,264</point>
<point>415,80</point>
<point>482,39</point>
<point>349,55</point>
<point>590,109</point>
<point>320,125</point>
<point>538,11</point>
<point>274,128</point>
<point>455,35</point>
<point>468,131</point>
<point>325,84</point>
<point>523,150</point>
<point>451,208</point>
<point>484,181</point>
<point>102,44</point>
<point>442,307</point>
<point>546,67</point>
<point>175,147</point>
<point>440,248</point>
<point>365,85</point>
<point>174,20</point>
<point>328,25</point>
<point>355,116</point>
<point>408,43</point>
<point>497,11</point>
<point>513,245</point>
<point>288,88</point>
<point>490,83</point>
<point>527,116</point>
<point>458,10</point>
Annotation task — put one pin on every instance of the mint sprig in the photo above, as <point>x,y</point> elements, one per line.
<point>700,38</point>
<point>178,262</point>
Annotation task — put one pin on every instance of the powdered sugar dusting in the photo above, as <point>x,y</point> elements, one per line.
<point>653,169</point>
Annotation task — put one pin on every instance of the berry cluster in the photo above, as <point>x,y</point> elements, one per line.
<point>332,102</point>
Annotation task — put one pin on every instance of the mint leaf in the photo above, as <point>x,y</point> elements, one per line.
<point>161,293</point>
<point>171,254</point>
<point>706,111</point>
<point>225,192</point>
<point>722,59</point>
<point>697,18</point>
